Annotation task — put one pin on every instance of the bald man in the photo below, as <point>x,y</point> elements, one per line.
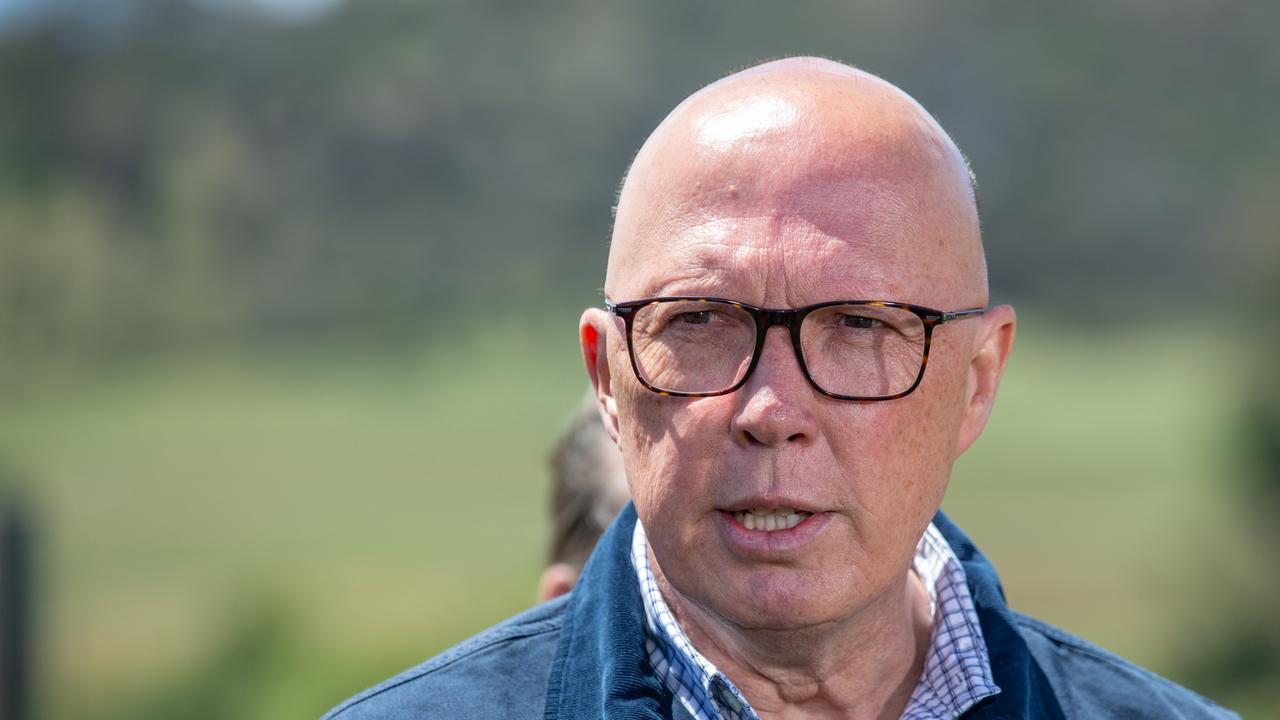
<point>794,246</point>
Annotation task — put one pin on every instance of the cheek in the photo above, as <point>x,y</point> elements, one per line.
<point>641,420</point>
<point>899,454</point>
<point>656,455</point>
<point>673,454</point>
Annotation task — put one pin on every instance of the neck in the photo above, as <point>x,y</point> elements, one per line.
<point>863,666</point>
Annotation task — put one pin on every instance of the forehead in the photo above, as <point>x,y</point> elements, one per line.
<point>785,238</point>
<point>776,260</point>
<point>767,196</point>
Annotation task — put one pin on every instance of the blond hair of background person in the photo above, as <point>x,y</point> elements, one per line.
<point>588,488</point>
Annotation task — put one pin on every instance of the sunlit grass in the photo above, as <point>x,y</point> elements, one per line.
<point>1105,479</point>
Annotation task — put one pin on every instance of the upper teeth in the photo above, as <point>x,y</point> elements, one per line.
<point>768,519</point>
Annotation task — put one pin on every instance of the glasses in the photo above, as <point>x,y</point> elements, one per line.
<point>848,349</point>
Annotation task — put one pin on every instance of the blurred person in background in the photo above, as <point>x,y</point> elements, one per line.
<point>588,488</point>
<point>784,555</point>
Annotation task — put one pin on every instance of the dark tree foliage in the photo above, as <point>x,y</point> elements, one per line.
<point>169,172</point>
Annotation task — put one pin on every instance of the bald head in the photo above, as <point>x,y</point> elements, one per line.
<point>818,149</point>
<point>801,184</point>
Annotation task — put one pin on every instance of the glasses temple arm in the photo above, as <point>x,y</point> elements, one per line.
<point>960,314</point>
<point>615,309</point>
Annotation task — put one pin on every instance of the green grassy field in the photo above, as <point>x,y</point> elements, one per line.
<point>258,535</point>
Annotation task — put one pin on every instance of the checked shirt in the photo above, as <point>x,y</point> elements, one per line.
<point>957,669</point>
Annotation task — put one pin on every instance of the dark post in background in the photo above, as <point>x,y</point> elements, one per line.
<point>15,607</point>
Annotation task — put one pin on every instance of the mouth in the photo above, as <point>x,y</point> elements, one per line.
<point>765,519</point>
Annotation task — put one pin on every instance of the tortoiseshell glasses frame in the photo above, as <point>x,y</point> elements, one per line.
<point>792,319</point>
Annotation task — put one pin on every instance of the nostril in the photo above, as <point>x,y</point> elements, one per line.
<point>795,438</point>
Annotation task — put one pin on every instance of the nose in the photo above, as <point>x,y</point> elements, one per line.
<point>775,407</point>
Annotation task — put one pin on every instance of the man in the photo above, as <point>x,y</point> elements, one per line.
<point>793,246</point>
<point>588,488</point>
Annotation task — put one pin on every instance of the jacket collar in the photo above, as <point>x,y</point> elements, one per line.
<point>601,670</point>
<point>1025,691</point>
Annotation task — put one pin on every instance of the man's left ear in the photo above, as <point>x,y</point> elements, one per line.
<point>991,351</point>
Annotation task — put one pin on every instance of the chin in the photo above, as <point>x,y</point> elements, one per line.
<point>781,600</point>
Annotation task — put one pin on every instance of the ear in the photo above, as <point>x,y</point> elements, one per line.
<point>991,350</point>
<point>556,580</point>
<point>593,335</point>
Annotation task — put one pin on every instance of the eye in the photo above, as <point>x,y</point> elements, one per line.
<point>693,317</point>
<point>860,322</point>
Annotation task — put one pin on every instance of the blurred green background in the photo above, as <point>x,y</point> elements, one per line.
<point>288,295</point>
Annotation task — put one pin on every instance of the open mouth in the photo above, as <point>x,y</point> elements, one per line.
<point>770,519</point>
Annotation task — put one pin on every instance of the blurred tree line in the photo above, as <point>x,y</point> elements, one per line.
<point>179,172</point>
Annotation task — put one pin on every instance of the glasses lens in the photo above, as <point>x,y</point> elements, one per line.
<point>692,346</point>
<point>863,350</point>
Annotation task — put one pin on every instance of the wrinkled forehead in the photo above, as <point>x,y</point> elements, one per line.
<point>798,183</point>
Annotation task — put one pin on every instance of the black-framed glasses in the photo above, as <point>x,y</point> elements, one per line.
<point>848,349</point>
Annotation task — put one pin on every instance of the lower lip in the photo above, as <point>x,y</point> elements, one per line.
<point>761,543</point>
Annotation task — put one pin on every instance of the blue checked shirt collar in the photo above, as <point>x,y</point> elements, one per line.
<point>957,668</point>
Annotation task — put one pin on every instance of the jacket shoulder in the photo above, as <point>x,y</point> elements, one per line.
<point>1092,682</point>
<point>499,673</point>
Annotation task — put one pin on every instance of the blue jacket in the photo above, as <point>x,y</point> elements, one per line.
<point>583,656</point>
